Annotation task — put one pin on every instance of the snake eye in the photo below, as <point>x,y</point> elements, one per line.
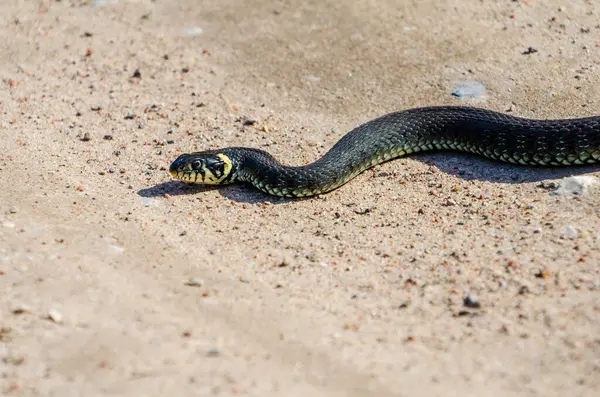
<point>196,164</point>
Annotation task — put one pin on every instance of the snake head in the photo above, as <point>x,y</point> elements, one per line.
<point>207,168</point>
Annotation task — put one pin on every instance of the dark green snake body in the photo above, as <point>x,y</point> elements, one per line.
<point>487,133</point>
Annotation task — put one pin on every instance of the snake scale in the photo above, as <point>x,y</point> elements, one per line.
<point>495,135</point>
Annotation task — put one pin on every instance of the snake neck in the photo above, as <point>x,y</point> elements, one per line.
<point>267,174</point>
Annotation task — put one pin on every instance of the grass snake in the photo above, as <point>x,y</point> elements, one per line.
<point>495,135</point>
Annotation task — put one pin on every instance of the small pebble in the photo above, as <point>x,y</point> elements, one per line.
<point>574,185</point>
<point>146,201</point>
<point>86,137</point>
<point>471,301</point>
<point>55,316</point>
<point>548,185</point>
<point>115,249</point>
<point>449,203</point>
<point>545,274</point>
<point>191,31</point>
<point>251,121</point>
<point>529,51</point>
<point>137,74</point>
<point>570,232</point>
<point>21,309</point>
<point>13,210</point>
<point>213,352</point>
<point>195,282</point>
<point>107,137</point>
<point>469,90</point>
<point>523,290</point>
<point>102,3</point>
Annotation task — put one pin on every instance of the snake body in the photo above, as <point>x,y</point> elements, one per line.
<point>495,135</point>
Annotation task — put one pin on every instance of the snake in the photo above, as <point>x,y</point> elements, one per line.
<point>495,135</point>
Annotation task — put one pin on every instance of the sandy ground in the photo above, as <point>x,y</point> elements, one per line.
<point>356,293</point>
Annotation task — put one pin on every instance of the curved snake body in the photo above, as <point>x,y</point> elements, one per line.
<point>495,135</point>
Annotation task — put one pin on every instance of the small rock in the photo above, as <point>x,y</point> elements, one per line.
<point>102,3</point>
<point>146,201</point>
<point>214,352</point>
<point>195,282</point>
<point>523,290</point>
<point>55,316</point>
<point>86,137</point>
<point>137,74</point>
<point>251,121</point>
<point>469,90</point>
<point>115,249</point>
<point>529,51</point>
<point>191,31</point>
<point>548,185</point>
<point>574,185</point>
<point>21,309</point>
<point>13,210</point>
<point>569,232</point>
<point>471,301</point>
<point>545,274</point>
<point>361,211</point>
<point>449,203</point>
<point>108,137</point>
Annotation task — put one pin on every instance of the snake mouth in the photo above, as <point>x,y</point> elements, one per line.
<point>181,170</point>
<point>184,176</point>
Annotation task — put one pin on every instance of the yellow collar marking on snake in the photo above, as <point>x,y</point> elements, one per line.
<point>218,176</point>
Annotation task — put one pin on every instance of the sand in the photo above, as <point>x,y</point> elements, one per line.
<point>435,274</point>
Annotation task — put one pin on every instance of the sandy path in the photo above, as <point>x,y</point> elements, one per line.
<point>359,292</point>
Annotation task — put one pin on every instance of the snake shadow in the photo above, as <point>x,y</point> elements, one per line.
<point>463,166</point>
<point>241,193</point>
<point>174,188</point>
<point>475,168</point>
